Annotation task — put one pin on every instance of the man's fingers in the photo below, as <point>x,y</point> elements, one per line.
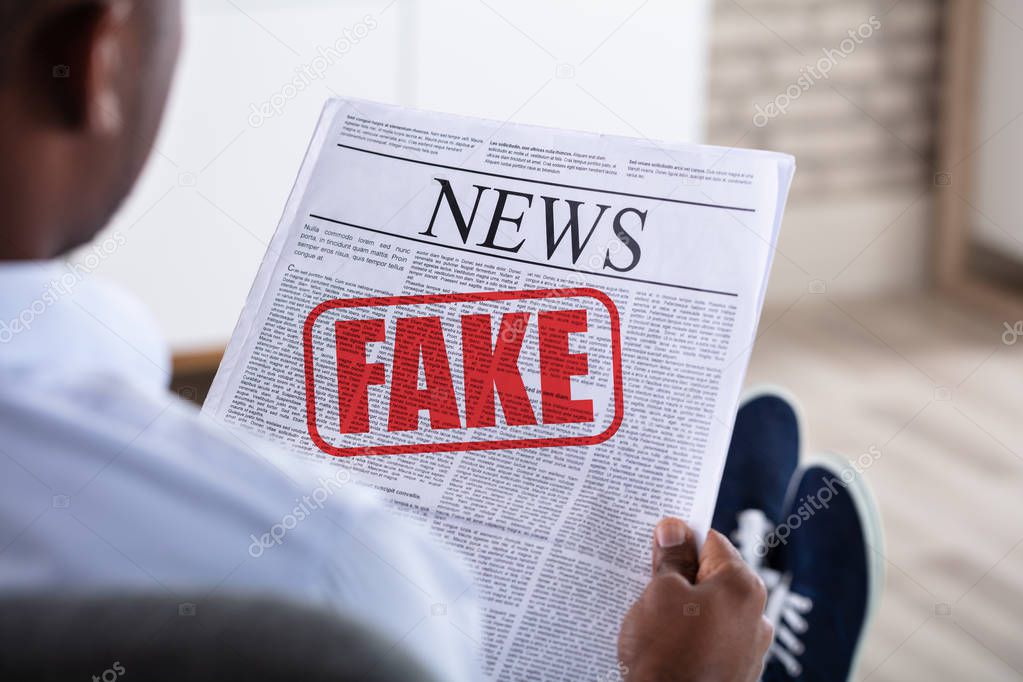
<point>717,554</point>
<point>675,549</point>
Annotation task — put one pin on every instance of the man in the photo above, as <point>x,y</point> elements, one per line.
<point>112,484</point>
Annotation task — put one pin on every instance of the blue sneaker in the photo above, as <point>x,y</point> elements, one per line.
<point>830,577</point>
<point>762,458</point>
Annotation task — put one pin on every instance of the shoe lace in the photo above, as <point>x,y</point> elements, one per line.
<point>785,609</point>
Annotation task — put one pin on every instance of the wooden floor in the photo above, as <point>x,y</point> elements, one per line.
<point>940,395</point>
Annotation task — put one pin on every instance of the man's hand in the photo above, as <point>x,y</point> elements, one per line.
<point>699,618</point>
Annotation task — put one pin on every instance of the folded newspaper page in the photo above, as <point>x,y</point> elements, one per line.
<point>530,341</point>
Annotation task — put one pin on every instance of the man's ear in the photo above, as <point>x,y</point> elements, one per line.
<point>78,52</point>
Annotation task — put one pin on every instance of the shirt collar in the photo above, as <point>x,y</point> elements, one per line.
<point>60,317</point>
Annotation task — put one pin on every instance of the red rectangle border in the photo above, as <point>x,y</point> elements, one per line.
<point>616,350</point>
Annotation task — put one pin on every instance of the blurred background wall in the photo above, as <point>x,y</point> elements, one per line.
<point>862,131</point>
<point>256,73</point>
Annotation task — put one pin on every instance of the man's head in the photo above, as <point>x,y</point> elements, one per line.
<point>83,84</point>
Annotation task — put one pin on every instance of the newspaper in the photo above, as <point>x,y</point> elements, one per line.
<point>530,341</point>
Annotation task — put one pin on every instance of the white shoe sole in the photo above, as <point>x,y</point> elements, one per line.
<point>873,534</point>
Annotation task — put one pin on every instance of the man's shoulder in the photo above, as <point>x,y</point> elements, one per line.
<point>154,494</point>
<point>146,437</point>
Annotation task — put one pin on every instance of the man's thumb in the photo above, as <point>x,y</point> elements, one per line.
<point>675,549</point>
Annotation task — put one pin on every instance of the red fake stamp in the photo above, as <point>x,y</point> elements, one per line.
<point>467,371</point>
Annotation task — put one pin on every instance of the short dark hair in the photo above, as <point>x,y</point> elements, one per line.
<point>15,16</point>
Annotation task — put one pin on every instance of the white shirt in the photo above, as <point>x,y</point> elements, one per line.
<point>111,483</point>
